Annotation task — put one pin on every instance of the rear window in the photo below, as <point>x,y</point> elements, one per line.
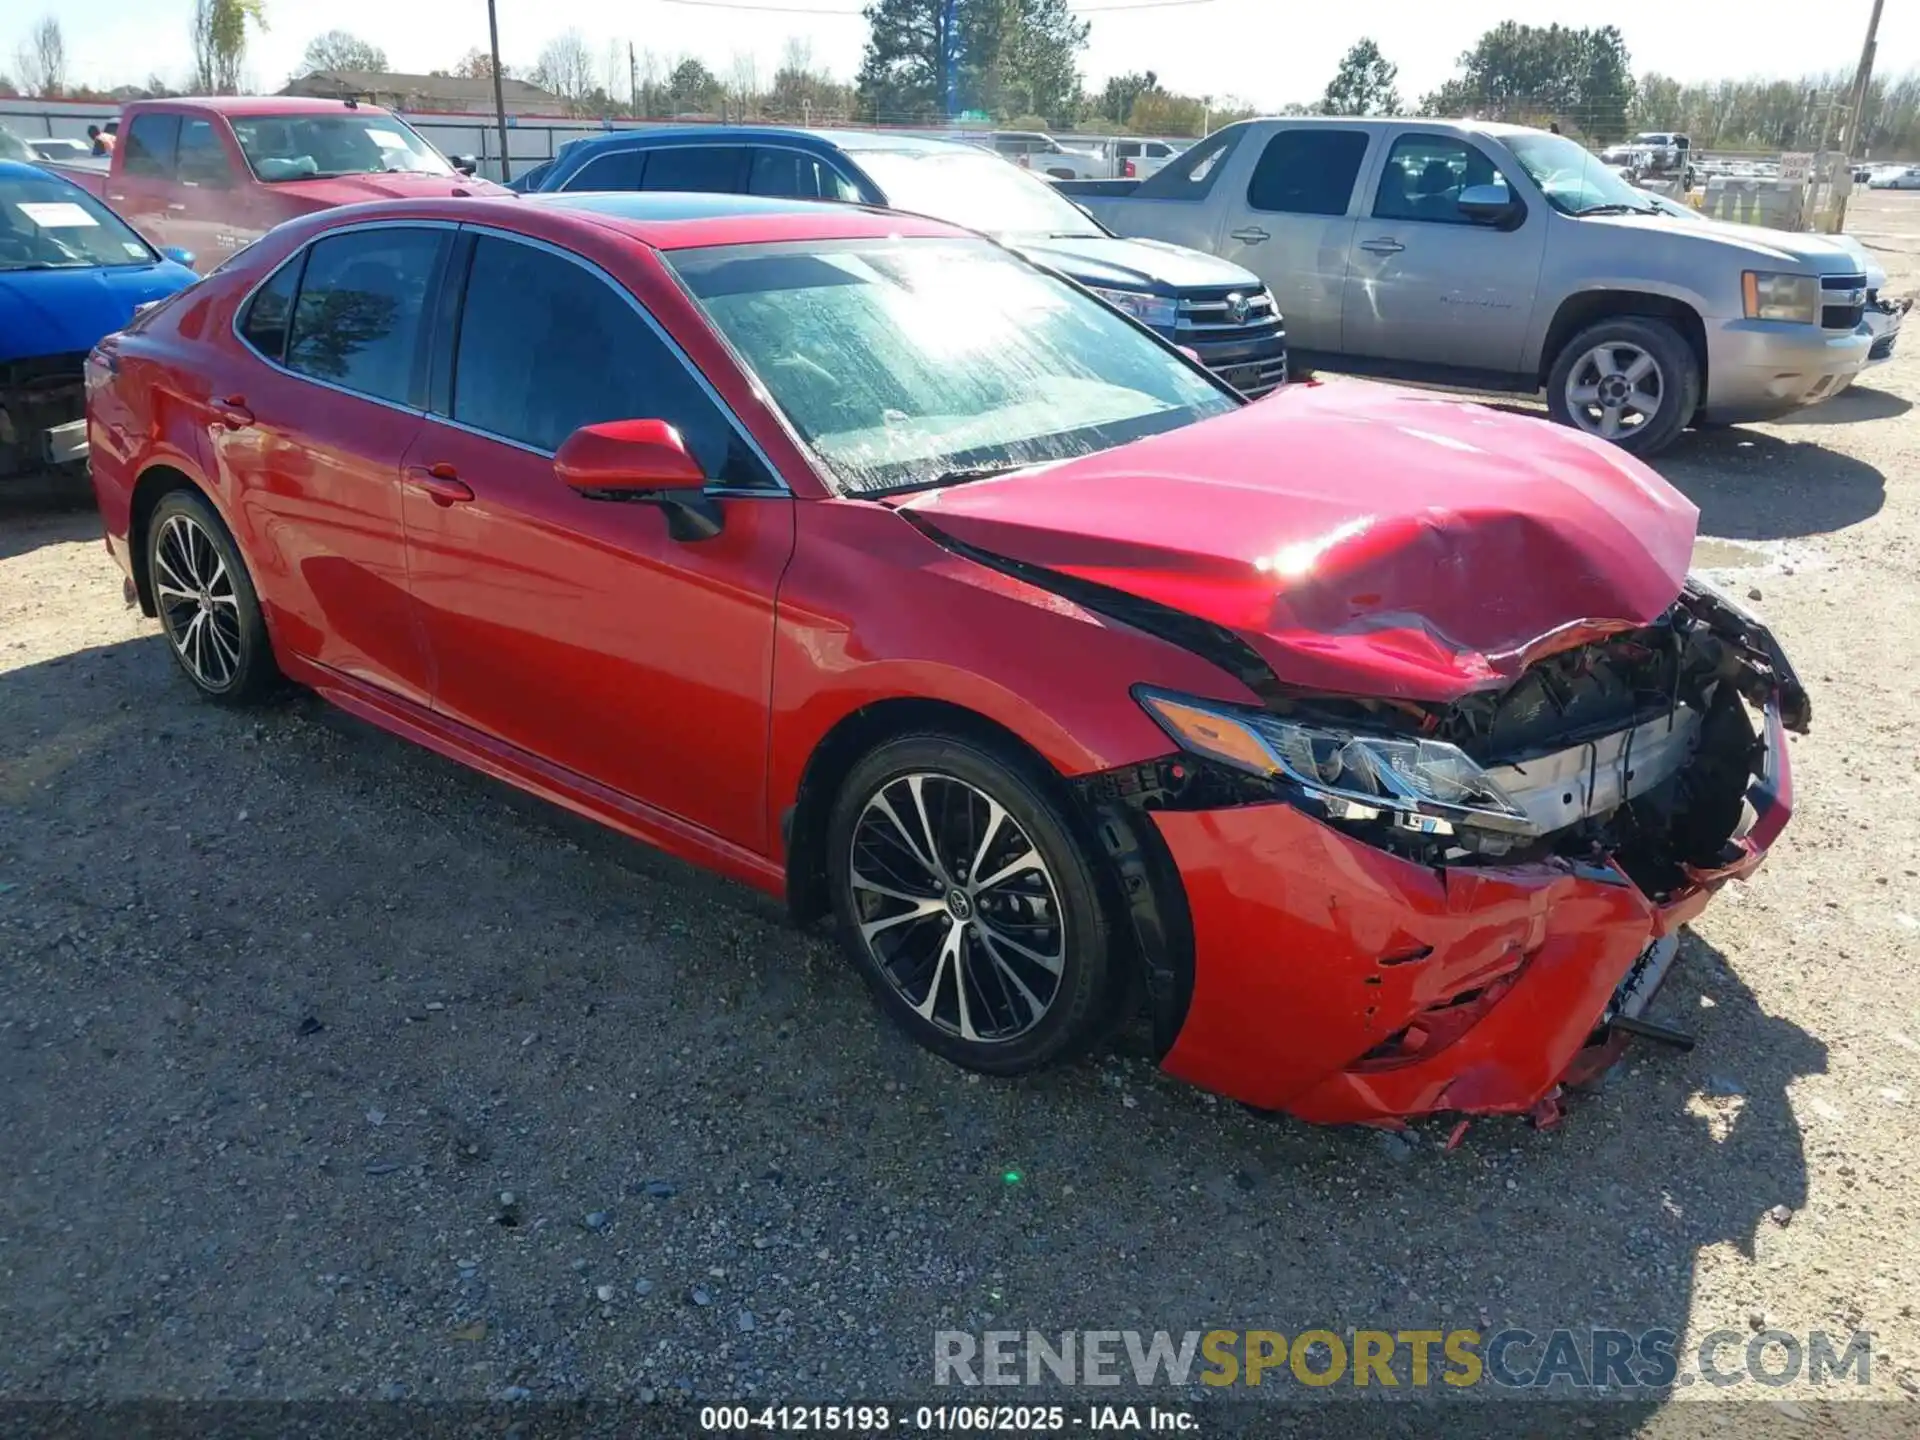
<point>702,169</point>
<point>357,321</point>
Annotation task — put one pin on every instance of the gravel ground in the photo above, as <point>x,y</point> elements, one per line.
<point>333,1070</point>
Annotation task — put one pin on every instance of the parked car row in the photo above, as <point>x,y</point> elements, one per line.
<point>1371,743</point>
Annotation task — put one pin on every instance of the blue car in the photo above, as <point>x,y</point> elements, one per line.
<point>1217,311</point>
<point>71,271</point>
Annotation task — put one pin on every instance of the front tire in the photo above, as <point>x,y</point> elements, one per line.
<point>1632,380</point>
<point>207,605</point>
<point>967,900</point>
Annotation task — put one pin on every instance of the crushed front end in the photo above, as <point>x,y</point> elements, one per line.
<point>1392,908</point>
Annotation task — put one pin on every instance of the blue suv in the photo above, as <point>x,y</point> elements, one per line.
<point>1216,310</point>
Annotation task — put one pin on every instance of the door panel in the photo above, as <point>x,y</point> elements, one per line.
<point>1290,224</point>
<point>579,629</point>
<point>310,444</point>
<point>143,185</point>
<point>1427,285</point>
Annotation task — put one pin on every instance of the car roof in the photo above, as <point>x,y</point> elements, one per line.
<point>245,105</point>
<point>822,141</point>
<point>668,220</point>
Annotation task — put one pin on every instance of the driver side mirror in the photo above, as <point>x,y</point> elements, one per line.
<point>1488,204</point>
<point>465,164</point>
<point>643,462</point>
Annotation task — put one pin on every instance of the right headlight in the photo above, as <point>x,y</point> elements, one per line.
<point>1348,769</point>
<point>1774,295</point>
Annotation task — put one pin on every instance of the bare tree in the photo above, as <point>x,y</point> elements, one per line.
<point>339,50</point>
<point>619,73</point>
<point>42,59</point>
<point>477,64</point>
<point>743,82</point>
<point>566,67</point>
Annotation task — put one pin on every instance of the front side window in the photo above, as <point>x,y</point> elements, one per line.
<point>909,363</point>
<point>150,145</point>
<point>48,224</point>
<point>202,158</point>
<point>316,147</point>
<point>701,169</point>
<point>617,170</point>
<point>546,346</point>
<point>357,321</point>
<point>1309,171</point>
<point>1425,174</point>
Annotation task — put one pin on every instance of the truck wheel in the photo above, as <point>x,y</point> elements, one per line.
<point>1632,380</point>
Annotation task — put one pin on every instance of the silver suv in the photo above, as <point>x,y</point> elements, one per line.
<point>1503,257</point>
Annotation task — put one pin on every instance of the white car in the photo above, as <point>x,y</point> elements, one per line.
<point>1042,154</point>
<point>1129,159</point>
<point>59,149</point>
<point>1904,177</point>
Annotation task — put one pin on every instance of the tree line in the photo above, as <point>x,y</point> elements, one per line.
<point>1017,63</point>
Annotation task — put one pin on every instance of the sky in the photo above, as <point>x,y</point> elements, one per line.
<point>1268,52</point>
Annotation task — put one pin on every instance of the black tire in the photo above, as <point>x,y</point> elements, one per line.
<point>218,637</point>
<point>1081,1006</point>
<point>1677,374</point>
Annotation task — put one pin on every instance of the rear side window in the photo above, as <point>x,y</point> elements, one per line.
<point>1191,176</point>
<point>621,170</point>
<point>265,325</point>
<point>702,169</point>
<point>357,321</point>
<point>1308,172</point>
<point>546,346</point>
<point>202,158</point>
<point>794,175</point>
<point>1423,178</point>
<point>150,145</point>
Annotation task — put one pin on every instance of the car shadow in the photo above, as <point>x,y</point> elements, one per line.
<point>1753,485</point>
<point>39,510</point>
<point>1856,403</point>
<point>329,916</point>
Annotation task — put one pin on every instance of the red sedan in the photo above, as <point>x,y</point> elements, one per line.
<point>1373,744</point>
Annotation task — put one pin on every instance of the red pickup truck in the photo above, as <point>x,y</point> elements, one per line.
<point>212,175</point>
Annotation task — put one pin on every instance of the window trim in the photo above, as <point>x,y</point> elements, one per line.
<point>1354,186</point>
<point>303,254</point>
<point>1228,138</point>
<point>1524,211</point>
<point>779,487</point>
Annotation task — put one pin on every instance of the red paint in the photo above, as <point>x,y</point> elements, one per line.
<point>464,593</point>
<point>1363,539</point>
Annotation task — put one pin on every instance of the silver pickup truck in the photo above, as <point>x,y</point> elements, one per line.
<point>1502,257</point>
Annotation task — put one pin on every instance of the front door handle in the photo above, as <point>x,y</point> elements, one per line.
<point>1251,235</point>
<point>441,483</point>
<point>232,412</point>
<point>1385,245</point>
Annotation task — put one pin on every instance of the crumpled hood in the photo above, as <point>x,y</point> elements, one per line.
<point>63,312</point>
<point>1134,264</point>
<point>1363,539</point>
<point>398,185</point>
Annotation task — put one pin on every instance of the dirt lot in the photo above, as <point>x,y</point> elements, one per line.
<point>286,1006</point>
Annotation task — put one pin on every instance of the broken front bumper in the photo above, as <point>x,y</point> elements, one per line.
<point>1341,983</point>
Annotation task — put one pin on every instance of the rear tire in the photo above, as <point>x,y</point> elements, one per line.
<point>969,903</point>
<point>207,605</point>
<point>1632,380</point>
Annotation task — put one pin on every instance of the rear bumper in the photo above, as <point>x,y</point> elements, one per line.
<point>1314,954</point>
<point>1760,369</point>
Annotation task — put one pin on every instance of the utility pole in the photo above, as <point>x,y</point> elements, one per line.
<point>499,94</point>
<point>633,82</point>
<point>1861,81</point>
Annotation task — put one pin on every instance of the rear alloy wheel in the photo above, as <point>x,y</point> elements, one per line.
<point>1632,381</point>
<point>206,601</point>
<point>969,905</point>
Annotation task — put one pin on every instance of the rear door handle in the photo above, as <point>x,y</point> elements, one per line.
<point>1385,245</point>
<point>1251,235</point>
<point>232,412</point>
<point>441,483</point>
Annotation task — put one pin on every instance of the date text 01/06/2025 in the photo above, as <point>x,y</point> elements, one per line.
<point>946,1419</point>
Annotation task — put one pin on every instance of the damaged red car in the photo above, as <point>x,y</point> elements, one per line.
<point>1371,744</point>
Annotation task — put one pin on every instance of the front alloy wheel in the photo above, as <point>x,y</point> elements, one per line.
<point>1614,389</point>
<point>964,894</point>
<point>1632,380</point>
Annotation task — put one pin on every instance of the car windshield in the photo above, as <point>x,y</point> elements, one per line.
<point>905,364</point>
<point>313,147</point>
<point>1572,177</point>
<point>974,190</point>
<point>47,224</point>
<point>12,147</point>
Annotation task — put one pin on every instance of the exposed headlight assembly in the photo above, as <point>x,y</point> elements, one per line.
<point>1425,785</point>
<point>1157,312</point>
<point>1773,295</point>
